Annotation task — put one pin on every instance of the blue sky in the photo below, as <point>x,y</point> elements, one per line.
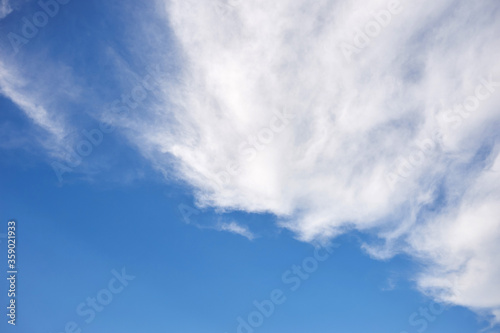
<point>188,279</point>
<point>335,163</point>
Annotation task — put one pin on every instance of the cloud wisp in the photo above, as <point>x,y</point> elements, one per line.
<point>236,228</point>
<point>190,215</point>
<point>5,8</point>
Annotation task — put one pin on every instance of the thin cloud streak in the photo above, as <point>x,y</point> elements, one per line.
<point>236,228</point>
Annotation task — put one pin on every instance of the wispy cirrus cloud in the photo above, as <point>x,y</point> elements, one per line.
<point>31,98</point>
<point>331,170</point>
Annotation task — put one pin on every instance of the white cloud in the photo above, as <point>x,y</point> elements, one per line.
<point>5,8</point>
<point>43,92</point>
<point>20,91</point>
<point>235,228</point>
<point>327,171</point>
<point>463,245</point>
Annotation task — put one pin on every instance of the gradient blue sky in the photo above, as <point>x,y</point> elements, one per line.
<point>187,279</point>
<point>218,74</point>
